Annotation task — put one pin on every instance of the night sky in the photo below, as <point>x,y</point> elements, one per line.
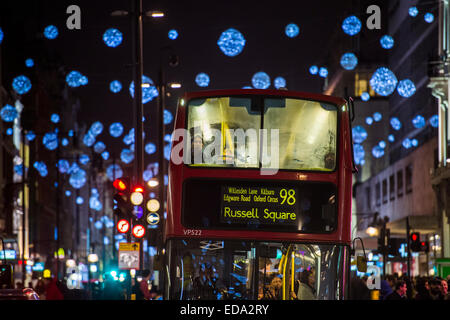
<point>199,25</point>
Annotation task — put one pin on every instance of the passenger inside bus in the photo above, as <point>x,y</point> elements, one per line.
<point>273,290</point>
<point>304,288</point>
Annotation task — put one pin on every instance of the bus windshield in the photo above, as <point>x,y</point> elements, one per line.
<point>234,270</point>
<point>258,131</point>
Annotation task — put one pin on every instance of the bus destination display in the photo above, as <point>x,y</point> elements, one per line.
<point>261,205</point>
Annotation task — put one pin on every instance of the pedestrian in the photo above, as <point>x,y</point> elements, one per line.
<point>423,289</point>
<point>143,285</point>
<point>399,292</point>
<point>40,289</point>
<point>358,288</point>
<point>52,291</point>
<point>386,286</point>
<point>436,290</point>
<point>444,289</point>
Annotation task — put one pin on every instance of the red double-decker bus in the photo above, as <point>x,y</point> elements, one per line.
<point>259,196</point>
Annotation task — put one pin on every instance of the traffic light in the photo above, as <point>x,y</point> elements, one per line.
<point>137,200</point>
<point>424,246</point>
<point>414,242</point>
<point>122,207</point>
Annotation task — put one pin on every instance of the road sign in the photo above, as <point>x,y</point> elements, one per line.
<point>123,226</point>
<point>153,218</point>
<point>128,255</point>
<point>138,231</point>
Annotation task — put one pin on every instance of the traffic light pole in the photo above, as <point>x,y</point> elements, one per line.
<point>408,231</point>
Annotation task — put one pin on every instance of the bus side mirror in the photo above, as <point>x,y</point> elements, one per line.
<point>361,264</point>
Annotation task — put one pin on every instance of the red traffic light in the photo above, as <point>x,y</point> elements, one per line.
<point>123,226</point>
<point>120,184</point>
<point>414,237</point>
<point>138,189</point>
<point>138,231</point>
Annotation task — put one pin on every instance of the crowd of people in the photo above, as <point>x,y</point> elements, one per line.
<point>394,287</point>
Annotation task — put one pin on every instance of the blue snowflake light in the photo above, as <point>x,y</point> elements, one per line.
<point>63,166</point>
<point>168,138</point>
<point>414,142</point>
<point>168,117</point>
<point>365,96</point>
<point>383,81</point>
<point>9,131</point>
<point>369,120</point>
<point>50,140</point>
<point>292,30</point>
<point>41,167</point>
<point>351,25</point>
<point>29,62</point>
<point>167,151</point>
<point>359,134</point>
<point>202,79</point>
<point>30,135</point>
<point>261,80</point>
<point>231,42</point>
<point>173,34</point>
<point>112,37</point>
<point>313,69</point>
<point>395,123</point>
<point>116,129</point>
<point>1,35</point>
<point>51,32</point>
<point>413,11</point>
<point>105,155</point>
<point>115,86</point>
<point>391,138</point>
<point>96,128</point>
<point>75,79</point>
<point>349,61</point>
<point>387,42</point>
<point>8,113</point>
<point>114,171</point>
<point>428,17</point>
<point>79,200</point>
<point>377,151</point>
<point>279,82</point>
<point>78,178</point>
<point>150,148</point>
<point>358,153</point>
<point>418,121</point>
<point>89,139</point>
<point>407,143</point>
<point>64,142</point>
<point>434,121</point>
<point>406,88</point>
<point>21,84</point>
<point>68,193</point>
<point>99,147</point>
<point>382,144</point>
<point>149,90</point>
<point>377,116</point>
<point>127,156</point>
<point>323,72</point>
<point>54,118</point>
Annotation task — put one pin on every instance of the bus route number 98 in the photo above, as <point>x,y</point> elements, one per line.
<point>288,196</point>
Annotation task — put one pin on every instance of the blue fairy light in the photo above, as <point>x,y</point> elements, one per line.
<point>292,30</point>
<point>413,11</point>
<point>391,138</point>
<point>414,142</point>
<point>359,134</point>
<point>63,166</point>
<point>418,121</point>
<point>114,171</point>
<point>30,135</point>
<point>395,123</point>
<point>261,80</point>
<point>83,80</point>
<point>313,69</point>
<point>377,151</point>
<point>74,79</point>
<point>323,72</point>
<point>147,175</point>
<point>150,148</point>
<point>279,82</point>
<point>64,142</point>
<point>96,128</point>
<point>21,84</point>
<point>168,117</point>
<point>351,25</point>
<point>116,129</point>
<point>51,32</point>
<point>358,153</point>
<point>407,143</point>
<point>95,204</point>
<point>9,132</point>
<point>406,88</point>
<point>231,42</point>
<point>167,151</point>
<point>74,167</point>
<point>168,138</point>
<point>387,42</point>
<point>9,113</point>
<point>98,225</point>
<point>112,37</point>
<point>127,156</point>
<point>79,200</point>
<point>99,147</point>
<point>115,86</point>
<point>202,79</point>
<point>382,144</point>
<point>428,17</point>
<point>173,34</point>
<point>54,118</point>
<point>149,90</point>
<point>2,35</point>
<point>383,81</point>
<point>78,178</point>
<point>89,139</point>
<point>349,61</point>
<point>84,159</point>
<point>369,120</point>
<point>18,169</point>
<point>105,155</point>
<point>70,134</point>
<point>29,63</point>
<point>365,96</point>
<point>41,167</point>
<point>50,140</point>
<point>377,116</point>
<point>68,193</point>
<point>434,121</point>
